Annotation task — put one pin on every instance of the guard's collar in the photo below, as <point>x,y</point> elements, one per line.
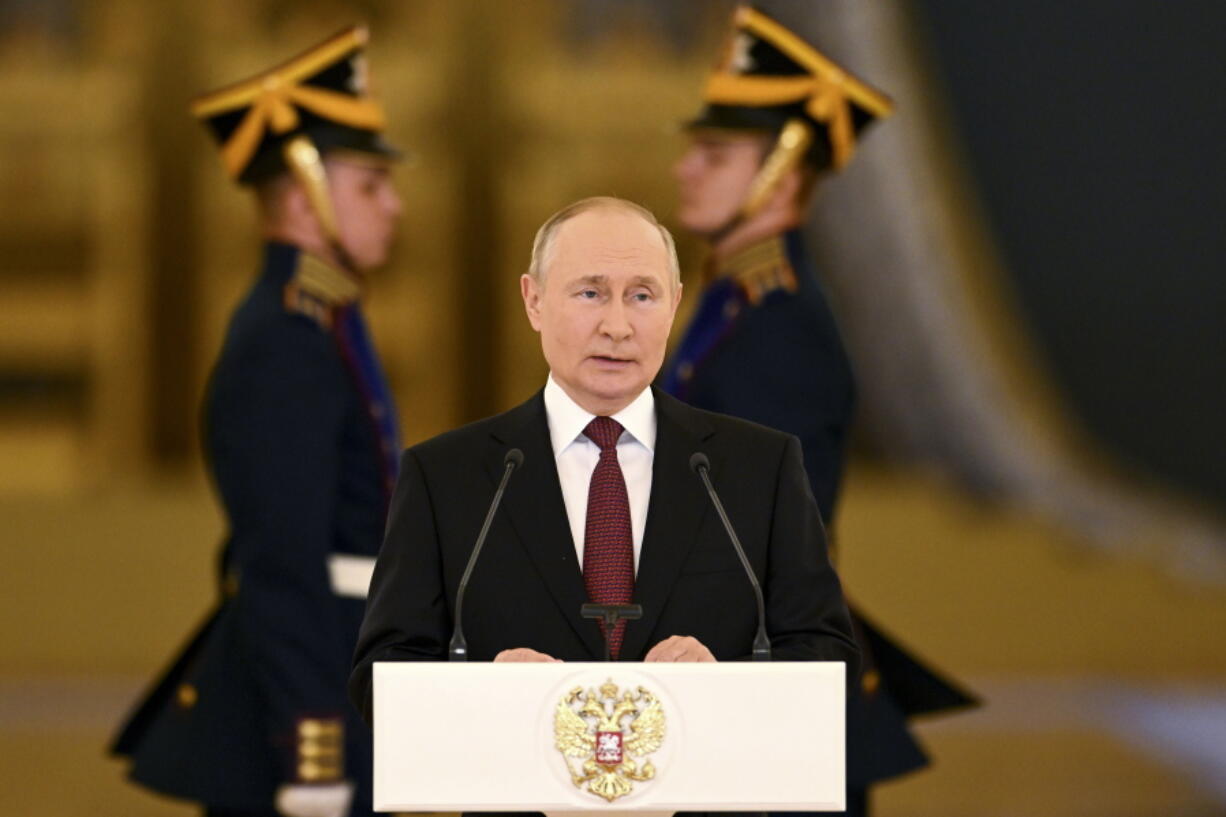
<point>325,282</point>
<point>759,269</point>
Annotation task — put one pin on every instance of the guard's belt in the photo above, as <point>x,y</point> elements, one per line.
<point>350,574</point>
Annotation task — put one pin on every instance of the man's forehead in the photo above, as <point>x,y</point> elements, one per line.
<point>609,233</point>
<point>601,262</point>
<point>607,240</point>
<point>359,164</point>
<point>726,137</point>
<point>640,278</point>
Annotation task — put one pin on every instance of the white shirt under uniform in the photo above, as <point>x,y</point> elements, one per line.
<point>576,457</point>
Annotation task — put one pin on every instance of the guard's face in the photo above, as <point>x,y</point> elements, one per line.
<point>714,176</point>
<point>367,209</point>
<point>604,307</point>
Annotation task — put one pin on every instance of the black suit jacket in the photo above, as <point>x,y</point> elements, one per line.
<point>527,588</point>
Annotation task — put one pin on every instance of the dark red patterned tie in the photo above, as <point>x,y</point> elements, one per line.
<point>608,544</point>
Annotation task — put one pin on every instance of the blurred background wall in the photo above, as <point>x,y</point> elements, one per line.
<point>1092,130</point>
<point>1080,144</point>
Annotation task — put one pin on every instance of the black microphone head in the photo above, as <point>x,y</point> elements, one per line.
<point>514,457</point>
<point>699,461</point>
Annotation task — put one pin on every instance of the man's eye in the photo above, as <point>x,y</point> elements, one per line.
<point>588,293</point>
<point>643,297</point>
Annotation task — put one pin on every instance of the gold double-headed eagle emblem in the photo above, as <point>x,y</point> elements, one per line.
<point>600,733</point>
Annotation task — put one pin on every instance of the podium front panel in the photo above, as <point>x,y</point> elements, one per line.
<point>638,737</point>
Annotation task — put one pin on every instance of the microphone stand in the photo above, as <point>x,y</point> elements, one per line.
<point>457,650</point>
<point>761,643</point>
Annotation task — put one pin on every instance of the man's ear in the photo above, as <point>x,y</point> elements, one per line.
<point>286,213</point>
<point>530,289</point>
<point>298,209</point>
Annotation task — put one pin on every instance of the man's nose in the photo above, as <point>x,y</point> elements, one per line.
<point>615,322</point>
<point>392,202</point>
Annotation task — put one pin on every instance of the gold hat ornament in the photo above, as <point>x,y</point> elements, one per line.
<point>288,117</point>
<point>769,79</point>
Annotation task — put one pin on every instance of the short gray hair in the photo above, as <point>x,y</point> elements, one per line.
<point>542,246</point>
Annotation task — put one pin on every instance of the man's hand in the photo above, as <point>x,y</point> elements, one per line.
<point>524,655</point>
<point>680,648</point>
<point>314,799</point>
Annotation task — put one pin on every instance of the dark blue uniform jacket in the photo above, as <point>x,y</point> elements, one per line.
<point>781,362</point>
<point>297,438</point>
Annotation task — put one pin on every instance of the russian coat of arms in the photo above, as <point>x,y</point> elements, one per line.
<point>605,734</point>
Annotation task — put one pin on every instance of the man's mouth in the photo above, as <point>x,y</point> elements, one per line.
<point>611,360</point>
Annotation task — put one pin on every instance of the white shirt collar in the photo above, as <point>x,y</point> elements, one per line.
<point>567,419</point>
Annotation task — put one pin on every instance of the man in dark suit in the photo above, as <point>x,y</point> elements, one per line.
<point>301,438</point>
<point>763,344</point>
<point>605,507</point>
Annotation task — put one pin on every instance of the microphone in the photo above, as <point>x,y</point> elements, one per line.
<point>457,650</point>
<point>609,615</point>
<point>701,466</point>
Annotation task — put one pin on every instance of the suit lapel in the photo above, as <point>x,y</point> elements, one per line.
<point>534,505</point>
<point>678,503</point>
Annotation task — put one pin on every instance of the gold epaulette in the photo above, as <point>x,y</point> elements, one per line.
<point>317,290</point>
<point>320,750</point>
<point>760,269</point>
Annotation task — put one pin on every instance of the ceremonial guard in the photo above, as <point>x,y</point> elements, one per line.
<point>301,437</point>
<point>763,344</point>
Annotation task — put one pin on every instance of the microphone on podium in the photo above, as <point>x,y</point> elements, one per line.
<point>609,615</point>
<point>761,644</point>
<point>457,650</point>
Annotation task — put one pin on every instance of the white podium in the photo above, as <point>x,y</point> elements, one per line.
<point>609,737</point>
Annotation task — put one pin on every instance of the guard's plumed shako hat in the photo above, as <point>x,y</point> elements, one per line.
<point>321,94</point>
<point>767,75</point>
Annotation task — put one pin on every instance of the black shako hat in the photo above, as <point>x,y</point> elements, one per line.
<point>321,94</point>
<point>768,76</point>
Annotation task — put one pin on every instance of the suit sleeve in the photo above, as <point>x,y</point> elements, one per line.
<point>274,427</point>
<point>806,614</point>
<point>407,617</point>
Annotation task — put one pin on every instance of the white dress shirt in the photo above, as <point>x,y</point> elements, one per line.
<point>576,456</point>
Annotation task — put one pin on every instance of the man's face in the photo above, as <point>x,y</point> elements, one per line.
<point>604,307</point>
<point>367,209</point>
<point>714,176</point>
